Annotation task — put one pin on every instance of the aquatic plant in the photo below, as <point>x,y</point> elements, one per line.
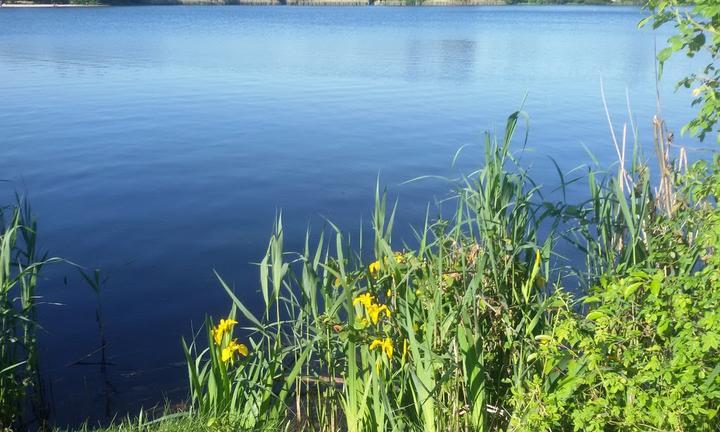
<point>20,267</point>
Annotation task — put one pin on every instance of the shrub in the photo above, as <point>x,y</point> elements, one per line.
<point>645,354</point>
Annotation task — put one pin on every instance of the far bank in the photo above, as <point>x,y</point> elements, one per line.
<point>90,3</point>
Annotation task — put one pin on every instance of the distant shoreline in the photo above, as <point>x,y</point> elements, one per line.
<point>48,5</point>
<point>306,3</point>
<point>265,3</point>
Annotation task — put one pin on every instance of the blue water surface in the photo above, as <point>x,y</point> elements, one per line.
<point>158,144</point>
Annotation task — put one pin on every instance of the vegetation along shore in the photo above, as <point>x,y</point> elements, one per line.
<point>478,323</point>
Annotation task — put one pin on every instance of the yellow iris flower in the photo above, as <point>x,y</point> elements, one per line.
<point>374,267</point>
<point>385,345</point>
<point>375,310</point>
<point>364,299</point>
<point>233,347</point>
<point>223,327</point>
<point>372,309</point>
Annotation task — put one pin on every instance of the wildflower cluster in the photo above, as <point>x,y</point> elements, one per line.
<point>373,311</point>
<point>374,267</point>
<point>374,316</point>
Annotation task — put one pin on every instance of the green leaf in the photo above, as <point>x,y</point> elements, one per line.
<point>664,54</point>
<point>595,315</point>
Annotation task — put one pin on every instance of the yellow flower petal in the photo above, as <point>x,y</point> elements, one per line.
<point>226,354</point>
<point>373,313</point>
<point>233,347</point>
<point>224,326</point>
<point>388,348</point>
<point>374,267</point>
<point>385,345</point>
<point>217,336</point>
<point>364,299</point>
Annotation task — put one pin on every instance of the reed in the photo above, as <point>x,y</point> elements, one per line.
<point>20,267</point>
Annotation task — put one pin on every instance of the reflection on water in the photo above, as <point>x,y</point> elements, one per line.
<point>157,143</point>
<point>455,60</point>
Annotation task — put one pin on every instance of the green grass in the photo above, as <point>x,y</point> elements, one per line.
<point>171,423</point>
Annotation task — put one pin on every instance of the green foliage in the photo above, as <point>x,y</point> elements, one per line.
<point>698,32</point>
<point>463,331</point>
<point>645,354</point>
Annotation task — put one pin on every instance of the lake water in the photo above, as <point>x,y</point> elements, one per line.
<point>157,143</point>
